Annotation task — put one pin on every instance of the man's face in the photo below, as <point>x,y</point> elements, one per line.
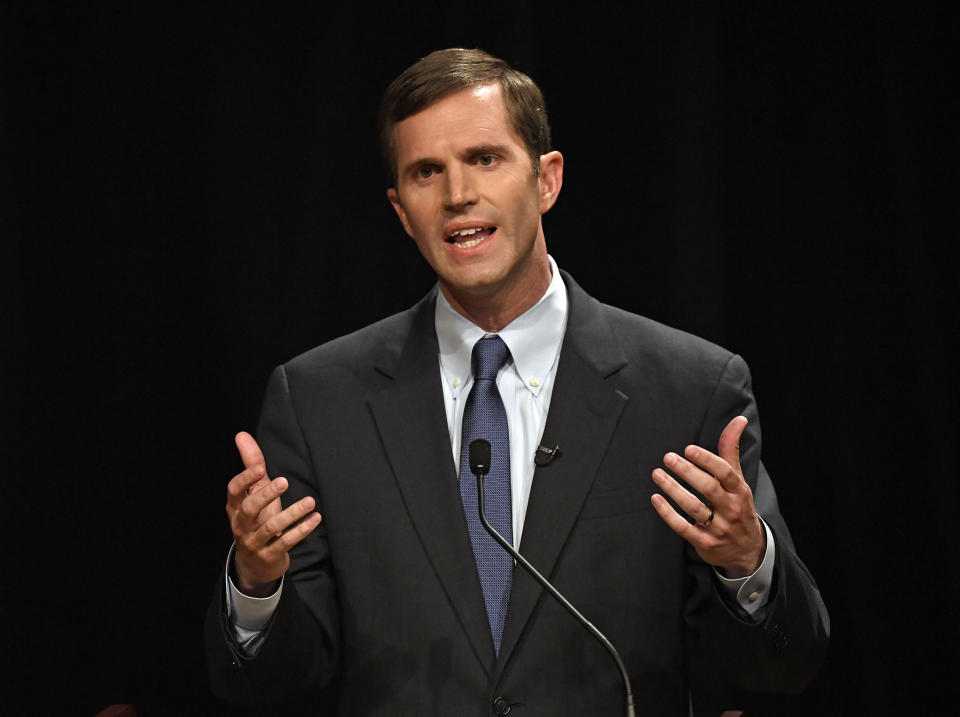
<point>467,194</point>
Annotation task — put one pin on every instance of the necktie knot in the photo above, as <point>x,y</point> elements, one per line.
<point>489,355</point>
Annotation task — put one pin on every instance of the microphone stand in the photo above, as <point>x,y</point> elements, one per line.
<point>480,473</point>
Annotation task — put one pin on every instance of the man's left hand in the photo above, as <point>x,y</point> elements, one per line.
<point>726,531</point>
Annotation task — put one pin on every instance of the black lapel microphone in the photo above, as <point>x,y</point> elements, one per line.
<point>480,466</point>
<point>543,455</point>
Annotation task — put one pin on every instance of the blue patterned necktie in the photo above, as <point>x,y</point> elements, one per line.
<point>485,417</point>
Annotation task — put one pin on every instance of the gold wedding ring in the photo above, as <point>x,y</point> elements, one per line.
<point>706,523</point>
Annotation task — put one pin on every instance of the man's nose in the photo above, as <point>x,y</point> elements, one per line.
<point>460,188</point>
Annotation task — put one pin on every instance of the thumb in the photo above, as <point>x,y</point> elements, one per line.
<point>729,445</point>
<point>249,450</point>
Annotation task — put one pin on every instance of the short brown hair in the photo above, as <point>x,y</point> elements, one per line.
<point>444,72</point>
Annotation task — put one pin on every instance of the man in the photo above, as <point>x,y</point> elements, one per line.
<point>397,596</point>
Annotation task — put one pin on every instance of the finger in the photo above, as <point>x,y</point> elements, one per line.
<point>295,534</point>
<point>716,466</point>
<point>729,444</point>
<point>275,531</point>
<point>276,524</point>
<point>691,505</point>
<point>704,483</point>
<point>243,483</point>
<point>257,510</point>
<point>273,528</point>
<point>678,524</point>
<point>254,503</point>
<point>250,452</point>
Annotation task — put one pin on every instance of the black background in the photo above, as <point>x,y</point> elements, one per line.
<point>195,194</point>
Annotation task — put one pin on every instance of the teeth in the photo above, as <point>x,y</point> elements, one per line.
<point>461,234</point>
<point>466,232</point>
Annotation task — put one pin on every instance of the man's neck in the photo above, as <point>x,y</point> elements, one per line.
<point>493,310</point>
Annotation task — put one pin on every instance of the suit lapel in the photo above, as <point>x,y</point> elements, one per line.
<point>584,412</point>
<point>411,418</point>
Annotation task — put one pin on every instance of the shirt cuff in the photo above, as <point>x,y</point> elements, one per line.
<point>751,592</point>
<point>245,613</point>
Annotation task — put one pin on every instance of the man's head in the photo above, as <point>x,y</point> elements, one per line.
<point>467,186</point>
<point>445,72</point>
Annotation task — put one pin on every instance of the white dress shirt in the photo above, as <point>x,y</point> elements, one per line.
<point>525,383</point>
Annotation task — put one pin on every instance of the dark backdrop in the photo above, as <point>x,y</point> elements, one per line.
<point>195,195</point>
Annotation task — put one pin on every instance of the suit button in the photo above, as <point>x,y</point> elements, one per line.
<point>501,706</point>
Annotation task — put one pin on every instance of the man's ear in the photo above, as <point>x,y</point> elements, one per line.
<point>551,179</point>
<point>398,208</point>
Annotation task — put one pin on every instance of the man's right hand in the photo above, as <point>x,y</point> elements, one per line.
<point>264,532</point>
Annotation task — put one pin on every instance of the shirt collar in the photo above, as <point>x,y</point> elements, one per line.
<point>533,338</point>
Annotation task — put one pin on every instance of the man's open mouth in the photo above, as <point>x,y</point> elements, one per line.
<point>472,236</point>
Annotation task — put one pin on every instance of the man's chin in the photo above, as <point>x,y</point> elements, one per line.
<point>479,283</point>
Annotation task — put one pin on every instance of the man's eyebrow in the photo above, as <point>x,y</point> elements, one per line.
<point>486,149</point>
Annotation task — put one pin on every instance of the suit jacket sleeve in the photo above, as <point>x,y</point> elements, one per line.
<point>300,651</point>
<point>780,648</point>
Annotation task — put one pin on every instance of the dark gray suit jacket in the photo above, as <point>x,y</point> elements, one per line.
<point>383,601</point>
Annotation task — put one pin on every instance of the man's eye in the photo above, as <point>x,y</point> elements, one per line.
<point>424,172</point>
<point>486,160</point>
